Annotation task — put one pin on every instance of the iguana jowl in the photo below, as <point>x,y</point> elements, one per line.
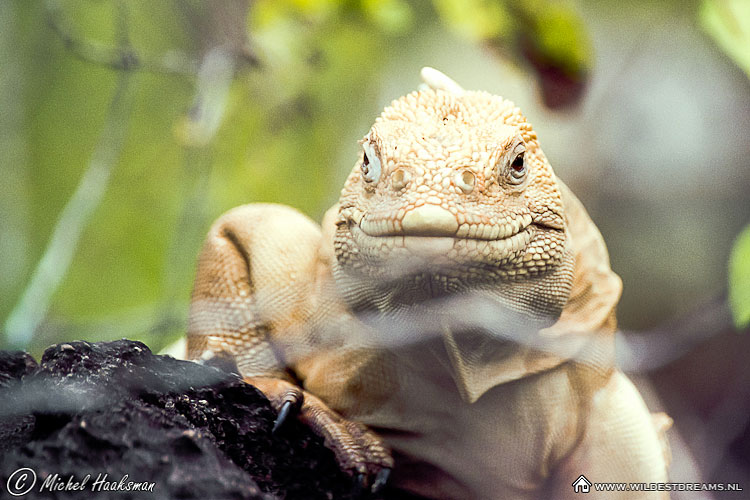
<point>456,312</point>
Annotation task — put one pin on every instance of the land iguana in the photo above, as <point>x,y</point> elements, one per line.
<point>453,320</point>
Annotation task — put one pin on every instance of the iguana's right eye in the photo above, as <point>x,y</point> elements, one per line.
<point>370,164</point>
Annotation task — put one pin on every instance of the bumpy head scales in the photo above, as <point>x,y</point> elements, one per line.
<point>452,192</point>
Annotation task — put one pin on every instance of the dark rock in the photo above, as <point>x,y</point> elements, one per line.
<point>16,426</point>
<point>115,408</point>
<point>14,365</point>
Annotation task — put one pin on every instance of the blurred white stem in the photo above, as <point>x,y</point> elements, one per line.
<point>204,119</point>
<point>52,268</point>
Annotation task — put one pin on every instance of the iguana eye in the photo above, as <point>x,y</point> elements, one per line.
<point>370,164</point>
<point>518,168</point>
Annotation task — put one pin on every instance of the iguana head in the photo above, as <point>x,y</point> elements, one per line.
<point>452,192</point>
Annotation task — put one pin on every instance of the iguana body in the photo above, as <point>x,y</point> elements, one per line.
<point>458,301</point>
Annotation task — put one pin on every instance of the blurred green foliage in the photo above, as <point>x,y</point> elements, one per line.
<point>304,88</point>
<point>546,37</point>
<point>304,84</point>
<point>728,23</point>
<point>739,280</point>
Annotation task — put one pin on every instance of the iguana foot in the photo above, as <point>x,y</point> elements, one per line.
<point>358,450</point>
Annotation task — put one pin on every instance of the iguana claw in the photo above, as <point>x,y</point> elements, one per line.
<point>358,450</point>
<point>381,479</point>
<point>286,408</point>
<point>360,485</point>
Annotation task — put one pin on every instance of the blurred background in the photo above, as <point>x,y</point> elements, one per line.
<point>126,127</point>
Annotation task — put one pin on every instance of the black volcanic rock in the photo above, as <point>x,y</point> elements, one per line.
<point>15,427</point>
<point>115,408</point>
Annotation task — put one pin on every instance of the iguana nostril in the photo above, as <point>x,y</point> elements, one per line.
<point>429,220</point>
<point>465,181</point>
<point>400,178</point>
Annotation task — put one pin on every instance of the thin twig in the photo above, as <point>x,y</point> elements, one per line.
<point>201,124</point>
<point>52,268</point>
<point>32,308</point>
<point>122,58</point>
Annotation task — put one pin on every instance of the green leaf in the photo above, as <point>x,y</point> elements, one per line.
<point>728,23</point>
<point>739,280</point>
<point>393,16</point>
<point>561,38</point>
<point>476,19</point>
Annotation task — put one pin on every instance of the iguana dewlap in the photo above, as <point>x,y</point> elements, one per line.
<point>458,302</point>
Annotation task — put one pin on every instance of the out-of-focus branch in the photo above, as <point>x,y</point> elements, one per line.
<point>220,25</point>
<point>123,57</point>
<point>224,47</point>
<point>196,131</point>
<point>642,352</point>
<point>31,309</point>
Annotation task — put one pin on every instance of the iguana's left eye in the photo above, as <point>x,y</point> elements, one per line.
<point>518,166</point>
<point>517,169</point>
<point>370,164</point>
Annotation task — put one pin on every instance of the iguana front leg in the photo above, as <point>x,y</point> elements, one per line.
<point>622,443</point>
<point>256,289</point>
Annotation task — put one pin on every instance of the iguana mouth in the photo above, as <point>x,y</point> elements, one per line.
<point>432,221</point>
<point>448,245</point>
<point>431,235</point>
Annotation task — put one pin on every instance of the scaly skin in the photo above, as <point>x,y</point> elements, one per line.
<point>449,195</point>
<point>457,310</point>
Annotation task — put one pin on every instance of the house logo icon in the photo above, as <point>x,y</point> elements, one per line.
<point>581,485</point>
